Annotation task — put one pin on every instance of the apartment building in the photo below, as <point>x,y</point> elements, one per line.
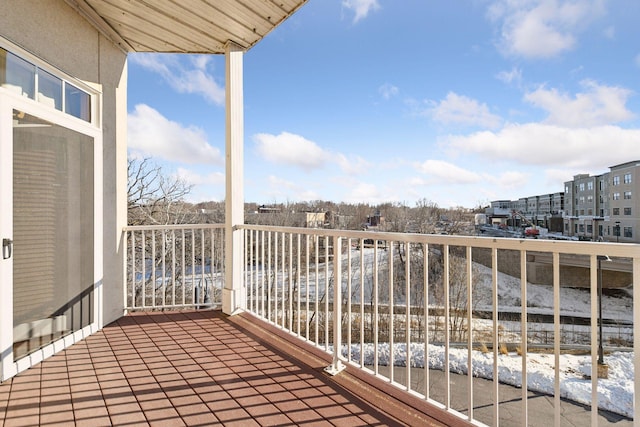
<point>543,211</point>
<point>592,207</point>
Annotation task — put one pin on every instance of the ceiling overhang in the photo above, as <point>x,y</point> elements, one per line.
<point>185,26</point>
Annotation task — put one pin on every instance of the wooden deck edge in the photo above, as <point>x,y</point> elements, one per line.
<point>389,399</point>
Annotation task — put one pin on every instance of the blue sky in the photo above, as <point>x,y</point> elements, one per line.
<point>458,102</point>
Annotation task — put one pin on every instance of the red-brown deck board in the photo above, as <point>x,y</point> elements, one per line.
<point>196,368</point>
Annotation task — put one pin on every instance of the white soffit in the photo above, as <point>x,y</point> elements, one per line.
<point>185,26</point>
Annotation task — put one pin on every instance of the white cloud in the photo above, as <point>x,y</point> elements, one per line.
<point>448,172</point>
<point>152,134</point>
<point>353,165</point>
<point>282,189</point>
<point>364,192</point>
<point>194,178</point>
<point>597,105</point>
<point>509,179</point>
<point>459,109</point>
<point>291,149</point>
<point>388,91</point>
<point>610,33</point>
<point>192,76</point>
<point>295,150</point>
<point>361,8</point>
<point>542,28</point>
<point>584,149</point>
<point>512,76</point>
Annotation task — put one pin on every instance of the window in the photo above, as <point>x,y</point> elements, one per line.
<point>589,199</point>
<point>49,90</point>
<point>589,228</point>
<point>616,180</point>
<point>627,178</point>
<point>77,102</point>
<point>582,186</point>
<point>581,228</point>
<point>616,211</point>
<point>627,195</point>
<point>589,211</point>
<point>19,75</point>
<point>627,211</point>
<point>616,196</point>
<point>566,189</point>
<point>590,185</point>
<point>628,232</point>
<point>582,200</point>
<point>601,184</point>
<point>22,77</point>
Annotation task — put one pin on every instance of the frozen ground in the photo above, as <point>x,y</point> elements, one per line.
<point>615,394</point>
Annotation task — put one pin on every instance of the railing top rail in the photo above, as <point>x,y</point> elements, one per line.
<point>536,245</point>
<point>171,227</point>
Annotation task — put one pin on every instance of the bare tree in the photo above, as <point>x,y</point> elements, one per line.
<point>154,197</point>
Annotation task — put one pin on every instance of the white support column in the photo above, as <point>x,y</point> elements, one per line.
<point>233,294</point>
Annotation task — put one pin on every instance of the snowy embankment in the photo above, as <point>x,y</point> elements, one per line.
<point>615,394</point>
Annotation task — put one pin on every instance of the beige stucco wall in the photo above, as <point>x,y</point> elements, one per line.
<point>57,34</point>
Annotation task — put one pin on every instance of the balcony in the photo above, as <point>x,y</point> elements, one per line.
<point>175,358</point>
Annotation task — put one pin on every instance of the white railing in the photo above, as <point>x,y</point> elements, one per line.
<point>443,303</point>
<point>173,266</point>
<point>423,298</point>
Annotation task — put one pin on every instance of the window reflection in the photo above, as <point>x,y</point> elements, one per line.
<point>20,76</point>
<point>77,102</point>
<point>49,90</point>
<point>16,74</point>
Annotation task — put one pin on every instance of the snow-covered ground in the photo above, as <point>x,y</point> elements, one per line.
<point>615,394</point>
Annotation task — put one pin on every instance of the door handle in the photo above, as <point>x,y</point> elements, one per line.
<point>7,248</point>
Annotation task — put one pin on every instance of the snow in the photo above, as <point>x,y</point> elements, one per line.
<point>615,394</point>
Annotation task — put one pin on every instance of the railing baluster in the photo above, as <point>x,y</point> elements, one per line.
<point>469,266</point>
<point>494,304</point>
<point>447,370</point>
<point>375,308</point>
<point>349,302</point>
<point>425,275</point>
<point>556,338</point>
<point>391,311</point>
<point>316,245</point>
<point>144,269</point>
<point>306,317</point>
<point>164,267</point>
<point>326,293</point>
<point>594,337</point>
<point>298,267</point>
<point>523,334</point>
<point>407,276</point>
<point>362,318</point>
<point>173,267</point>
